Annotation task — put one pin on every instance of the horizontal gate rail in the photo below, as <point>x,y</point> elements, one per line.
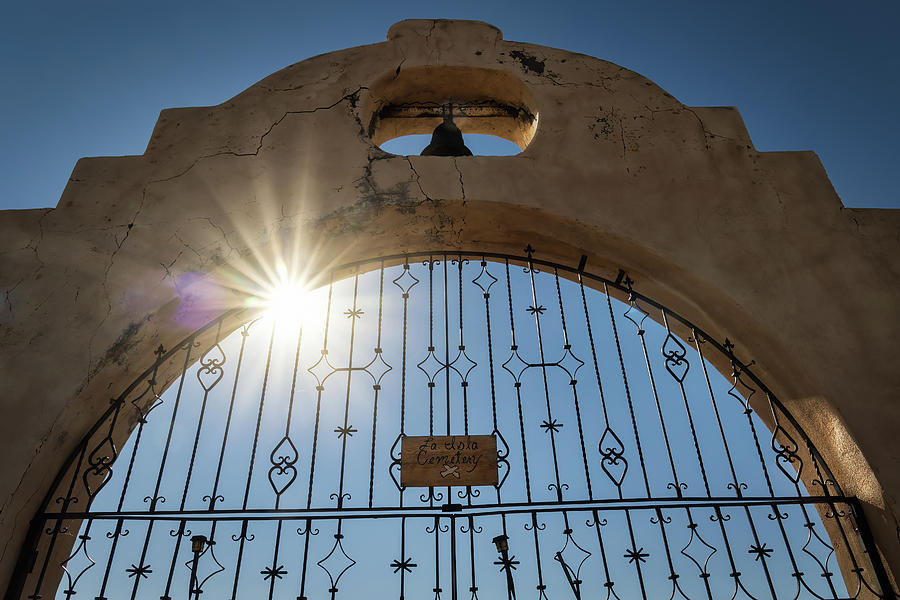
<point>459,509</point>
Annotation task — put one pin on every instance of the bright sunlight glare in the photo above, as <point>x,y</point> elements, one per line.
<point>287,302</point>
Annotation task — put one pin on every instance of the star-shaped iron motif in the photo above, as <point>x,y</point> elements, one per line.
<point>553,425</point>
<point>507,563</point>
<point>636,555</point>
<point>342,431</point>
<point>760,551</point>
<point>536,309</point>
<point>354,313</point>
<point>273,573</point>
<point>139,571</point>
<point>406,564</point>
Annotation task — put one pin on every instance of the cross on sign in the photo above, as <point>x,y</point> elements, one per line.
<point>450,470</point>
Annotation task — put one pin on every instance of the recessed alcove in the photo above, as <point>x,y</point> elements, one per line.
<point>484,103</point>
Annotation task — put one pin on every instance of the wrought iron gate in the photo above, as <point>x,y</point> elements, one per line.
<point>628,466</point>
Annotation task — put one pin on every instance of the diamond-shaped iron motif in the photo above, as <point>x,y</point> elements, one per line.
<point>698,550</point>
<point>77,564</point>
<point>735,391</point>
<point>573,556</point>
<point>485,280</point>
<point>636,315</point>
<point>815,546</point>
<point>430,365</point>
<point>377,367</point>
<point>405,281</point>
<point>146,401</point>
<point>570,363</point>
<point>462,364</point>
<point>322,370</point>
<point>208,566</point>
<point>514,365</point>
<point>336,562</point>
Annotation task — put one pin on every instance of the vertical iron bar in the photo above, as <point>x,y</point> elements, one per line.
<point>320,389</point>
<point>453,579</point>
<point>690,416</point>
<point>551,428</point>
<point>634,553</point>
<point>345,435</point>
<point>162,463</point>
<point>187,479</point>
<point>214,495</point>
<point>634,426</point>
<point>376,386</point>
<point>712,400</point>
<point>517,384</point>
<point>676,483</point>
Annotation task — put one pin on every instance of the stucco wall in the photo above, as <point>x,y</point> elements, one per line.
<point>752,245</point>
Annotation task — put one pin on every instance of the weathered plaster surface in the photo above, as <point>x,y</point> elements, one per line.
<point>752,245</point>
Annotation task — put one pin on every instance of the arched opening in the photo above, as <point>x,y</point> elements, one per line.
<point>481,144</point>
<point>626,463</point>
<point>483,102</point>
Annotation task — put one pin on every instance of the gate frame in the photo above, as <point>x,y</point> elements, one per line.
<point>723,358</point>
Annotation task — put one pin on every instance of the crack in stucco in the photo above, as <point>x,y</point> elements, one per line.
<point>119,243</point>
<point>418,179</point>
<point>707,132</point>
<point>167,267</point>
<point>217,227</point>
<point>462,186</point>
<point>40,223</point>
<point>352,96</point>
<point>7,299</point>
<point>189,247</point>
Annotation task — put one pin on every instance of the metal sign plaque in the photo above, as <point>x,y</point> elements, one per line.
<point>430,461</point>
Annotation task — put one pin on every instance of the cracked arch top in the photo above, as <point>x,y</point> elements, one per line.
<point>554,104</point>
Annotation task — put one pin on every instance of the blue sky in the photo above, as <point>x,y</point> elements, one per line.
<point>89,79</point>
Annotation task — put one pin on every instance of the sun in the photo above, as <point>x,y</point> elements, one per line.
<point>287,302</point>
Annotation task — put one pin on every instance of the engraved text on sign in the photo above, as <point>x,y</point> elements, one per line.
<point>428,461</point>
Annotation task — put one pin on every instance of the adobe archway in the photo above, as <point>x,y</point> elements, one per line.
<point>751,245</point>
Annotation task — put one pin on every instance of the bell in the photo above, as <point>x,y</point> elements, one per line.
<point>447,140</point>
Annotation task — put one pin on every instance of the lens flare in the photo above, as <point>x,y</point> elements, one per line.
<point>287,302</point>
